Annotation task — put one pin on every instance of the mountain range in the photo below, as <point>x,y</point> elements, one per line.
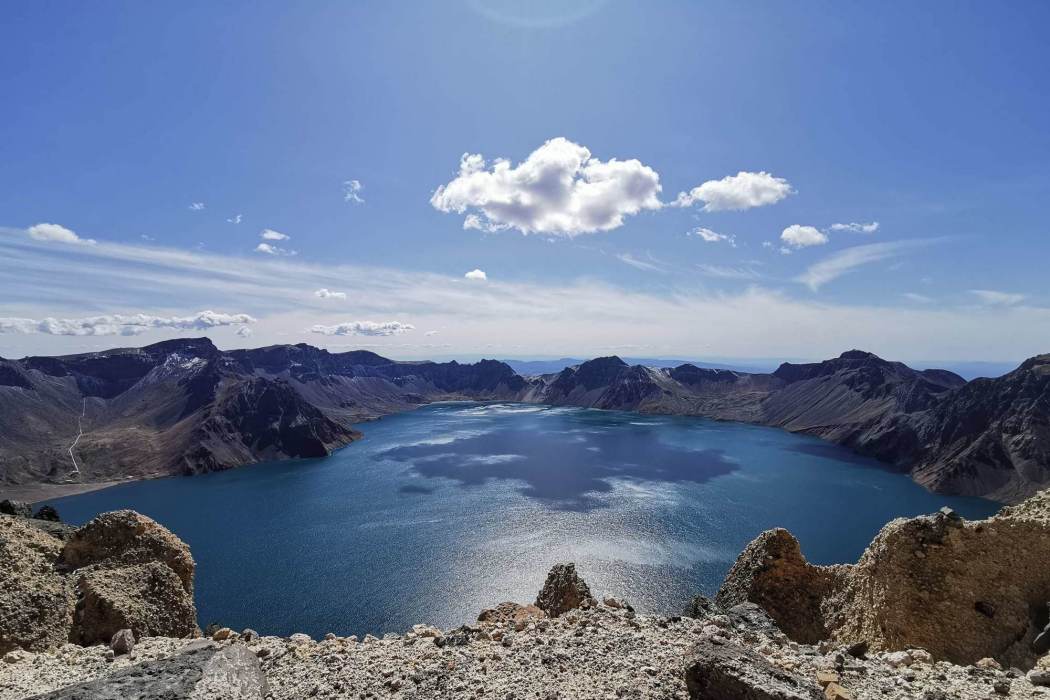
<point>184,406</point>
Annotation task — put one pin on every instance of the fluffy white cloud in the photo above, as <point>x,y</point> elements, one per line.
<point>244,332</point>
<point>744,190</point>
<point>710,236</point>
<point>476,274</point>
<point>857,227</point>
<point>996,298</point>
<point>559,189</point>
<point>352,191</point>
<point>798,236</point>
<point>56,233</point>
<point>119,324</point>
<point>844,261</point>
<point>268,234</point>
<point>329,294</point>
<point>364,328</point>
<point>196,206</point>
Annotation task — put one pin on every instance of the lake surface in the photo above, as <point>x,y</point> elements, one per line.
<point>441,512</point>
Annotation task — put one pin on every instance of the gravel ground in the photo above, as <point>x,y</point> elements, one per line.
<point>605,652</point>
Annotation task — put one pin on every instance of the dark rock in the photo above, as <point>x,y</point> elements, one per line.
<point>563,591</point>
<point>752,616</point>
<point>18,508</point>
<point>702,607</point>
<point>730,672</point>
<point>858,650</point>
<point>122,642</point>
<point>986,609</point>
<point>47,513</point>
<point>249,635</point>
<point>201,670</point>
<point>1041,643</point>
<point>459,637</point>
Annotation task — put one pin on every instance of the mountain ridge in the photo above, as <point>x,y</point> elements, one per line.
<point>183,406</point>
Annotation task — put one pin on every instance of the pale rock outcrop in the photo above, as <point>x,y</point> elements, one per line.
<point>563,591</point>
<point>961,590</point>
<point>125,537</point>
<point>36,602</point>
<point>513,614</point>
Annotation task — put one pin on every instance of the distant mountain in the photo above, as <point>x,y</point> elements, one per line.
<point>184,406</point>
<point>530,368</point>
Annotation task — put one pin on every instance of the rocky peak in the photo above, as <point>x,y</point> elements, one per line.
<point>563,591</point>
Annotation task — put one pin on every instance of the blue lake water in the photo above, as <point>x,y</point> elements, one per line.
<point>443,511</point>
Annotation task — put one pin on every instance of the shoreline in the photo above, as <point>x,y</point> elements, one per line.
<point>37,493</point>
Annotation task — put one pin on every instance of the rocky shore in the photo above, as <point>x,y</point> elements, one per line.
<point>938,608</point>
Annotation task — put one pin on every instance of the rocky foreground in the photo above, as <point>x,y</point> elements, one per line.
<point>937,608</point>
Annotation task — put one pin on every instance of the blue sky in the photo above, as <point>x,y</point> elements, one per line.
<point>927,118</point>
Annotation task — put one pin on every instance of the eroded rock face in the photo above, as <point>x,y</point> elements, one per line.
<point>120,571</point>
<point>511,614</point>
<point>772,573</point>
<point>730,672</point>
<point>961,590</point>
<point>126,537</point>
<point>148,599</point>
<point>36,602</point>
<point>563,591</point>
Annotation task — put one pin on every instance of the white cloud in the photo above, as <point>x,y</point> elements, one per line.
<point>744,190</point>
<point>352,191</point>
<point>197,206</point>
<point>364,328</point>
<point>329,294</point>
<point>120,324</point>
<point>560,189</point>
<point>798,236</point>
<point>268,234</point>
<point>56,233</point>
<point>996,298</point>
<point>857,227</point>
<point>710,236</point>
<point>235,219</point>
<point>917,298</point>
<point>476,274</point>
<point>844,261</point>
<point>244,332</point>
<point>430,333</point>
<point>649,265</point>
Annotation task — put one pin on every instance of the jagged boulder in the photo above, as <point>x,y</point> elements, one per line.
<point>961,590</point>
<point>125,537</point>
<point>729,672</point>
<point>19,508</point>
<point>48,513</point>
<point>201,670</point>
<point>148,599</point>
<point>36,602</point>
<point>563,591</point>
<point>513,614</point>
<point>772,573</point>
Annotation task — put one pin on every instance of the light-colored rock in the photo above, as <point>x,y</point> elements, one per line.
<point>222,634</point>
<point>834,691</point>
<point>989,664</point>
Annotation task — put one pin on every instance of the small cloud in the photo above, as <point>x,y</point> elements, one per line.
<point>560,189</point>
<point>798,236</point>
<point>352,191</point>
<point>649,265</point>
<point>768,244</point>
<point>744,190</point>
<point>710,236</point>
<point>476,274</point>
<point>271,235</point>
<point>197,206</point>
<point>992,297</point>
<point>56,233</point>
<point>372,328</point>
<point>430,333</point>
<point>329,294</point>
<point>122,324</point>
<point>269,249</point>
<point>844,261</point>
<point>857,227</point>
<point>244,332</point>
<point>235,219</point>
<point>917,298</point>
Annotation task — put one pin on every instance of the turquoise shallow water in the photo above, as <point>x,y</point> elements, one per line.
<point>446,510</point>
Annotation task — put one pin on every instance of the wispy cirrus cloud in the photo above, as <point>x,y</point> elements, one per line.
<point>729,272</point>
<point>373,328</point>
<point>196,206</point>
<point>994,297</point>
<point>844,261</point>
<point>325,293</point>
<point>560,189</point>
<point>648,264</point>
<point>122,324</point>
<point>854,227</point>
<point>709,236</point>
